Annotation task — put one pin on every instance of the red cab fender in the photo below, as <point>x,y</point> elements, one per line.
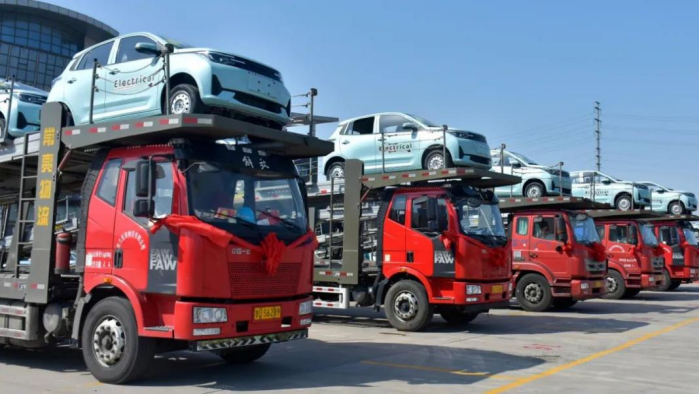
<point>613,265</point>
<point>137,301</point>
<point>411,272</point>
<point>532,266</point>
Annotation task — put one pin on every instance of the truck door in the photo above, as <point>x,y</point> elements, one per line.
<point>549,232</point>
<point>521,241</point>
<point>147,261</point>
<point>400,142</point>
<point>621,240</point>
<point>669,236</point>
<point>425,250</point>
<point>394,234</point>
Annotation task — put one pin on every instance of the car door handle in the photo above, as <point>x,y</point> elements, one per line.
<point>72,80</point>
<point>114,71</point>
<point>345,142</point>
<point>533,255</point>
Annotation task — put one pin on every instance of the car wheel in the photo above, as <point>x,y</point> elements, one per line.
<point>534,293</point>
<point>534,190</point>
<point>435,160</point>
<point>623,202</point>
<point>336,170</point>
<point>185,99</point>
<point>616,287</point>
<point>407,306</point>
<point>676,208</point>
<point>2,127</point>
<point>457,317</point>
<point>244,355</point>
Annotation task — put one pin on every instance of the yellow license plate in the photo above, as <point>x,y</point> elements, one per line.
<point>496,289</point>
<point>599,284</point>
<point>267,313</point>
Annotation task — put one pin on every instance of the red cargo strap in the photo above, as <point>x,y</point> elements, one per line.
<point>270,247</point>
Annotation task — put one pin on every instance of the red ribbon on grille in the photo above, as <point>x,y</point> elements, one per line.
<point>600,251</point>
<point>658,251</point>
<point>271,248</point>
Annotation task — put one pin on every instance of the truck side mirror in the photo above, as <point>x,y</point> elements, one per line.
<point>144,179</point>
<point>431,210</point>
<point>141,209</point>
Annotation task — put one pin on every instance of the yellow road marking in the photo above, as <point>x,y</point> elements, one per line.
<point>555,370</point>
<point>460,372</point>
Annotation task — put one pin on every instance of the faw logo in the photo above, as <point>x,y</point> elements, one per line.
<point>443,257</point>
<point>162,260</point>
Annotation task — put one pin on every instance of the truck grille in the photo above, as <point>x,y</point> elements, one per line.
<point>249,280</point>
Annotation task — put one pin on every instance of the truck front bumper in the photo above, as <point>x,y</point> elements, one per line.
<point>652,281</point>
<point>245,324</point>
<point>684,274</point>
<point>585,289</point>
<point>492,296</point>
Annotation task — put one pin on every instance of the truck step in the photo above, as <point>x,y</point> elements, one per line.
<point>340,293</point>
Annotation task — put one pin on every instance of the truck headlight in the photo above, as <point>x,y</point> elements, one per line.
<point>509,287</point>
<point>584,286</point>
<point>473,289</point>
<point>305,308</point>
<point>210,315</point>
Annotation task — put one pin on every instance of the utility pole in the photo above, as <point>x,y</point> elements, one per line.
<point>502,158</point>
<point>597,135</point>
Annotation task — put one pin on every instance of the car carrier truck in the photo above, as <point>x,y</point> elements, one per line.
<point>676,236</point>
<point>173,250</point>
<point>634,258</point>
<point>557,256</point>
<point>435,244</point>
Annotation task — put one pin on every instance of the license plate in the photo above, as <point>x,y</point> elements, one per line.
<point>651,279</point>
<point>599,284</point>
<point>267,313</point>
<point>496,289</point>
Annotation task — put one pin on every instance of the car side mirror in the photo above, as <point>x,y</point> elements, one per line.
<point>660,191</point>
<point>410,126</point>
<point>147,48</point>
<point>606,182</point>
<point>516,164</point>
<point>141,208</point>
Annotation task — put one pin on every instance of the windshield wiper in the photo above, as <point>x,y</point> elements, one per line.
<point>237,219</point>
<point>287,222</point>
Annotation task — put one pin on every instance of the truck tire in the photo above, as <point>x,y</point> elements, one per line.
<point>667,281</point>
<point>631,293</point>
<point>623,202</point>
<point>674,285</point>
<point>407,306</point>
<point>434,160</point>
<point>336,170</point>
<point>534,293</point>
<point>457,317</point>
<point>185,99</point>
<point>244,355</point>
<point>112,349</point>
<point>676,208</point>
<point>616,287</point>
<point>535,189</point>
<point>563,302</point>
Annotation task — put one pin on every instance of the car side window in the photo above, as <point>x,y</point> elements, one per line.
<point>100,53</point>
<point>543,229</point>
<point>361,126</point>
<point>163,192</point>
<point>127,49</point>
<point>522,226</point>
<point>583,178</point>
<point>397,213</point>
<point>393,123</point>
<point>107,188</point>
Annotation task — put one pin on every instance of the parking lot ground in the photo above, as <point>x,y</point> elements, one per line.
<point>645,344</point>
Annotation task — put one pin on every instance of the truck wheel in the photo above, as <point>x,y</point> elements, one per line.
<point>534,293</point>
<point>457,317</point>
<point>676,208</point>
<point>563,302</point>
<point>535,189</point>
<point>435,160</point>
<point>623,202</point>
<point>185,99</point>
<point>336,170</point>
<point>630,293</point>
<point>407,307</point>
<point>667,281</point>
<point>112,349</point>
<point>674,285</point>
<point>244,355</point>
<point>616,287</point>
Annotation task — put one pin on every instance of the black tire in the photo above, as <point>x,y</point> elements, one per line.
<point>407,306</point>
<point>616,287</point>
<point>457,317</point>
<point>674,285</point>
<point>244,355</point>
<point>137,352</point>
<point>623,202</point>
<point>667,281</point>
<point>185,99</point>
<point>436,154</point>
<point>534,293</point>
<point>631,293</point>
<point>3,122</point>
<point>534,189</point>
<point>676,208</point>
<point>338,167</point>
<point>563,302</point>
<point>67,117</point>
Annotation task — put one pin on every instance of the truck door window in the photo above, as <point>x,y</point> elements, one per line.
<point>361,127</point>
<point>107,188</point>
<point>393,123</point>
<point>101,53</point>
<point>623,234</point>
<point>397,213</point>
<point>522,226</point>
<point>127,49</point>
<point>163,192</point>
<point>669,235</point>
<point>544,228</point>
<point>420,220</point>
<point>600,232</point>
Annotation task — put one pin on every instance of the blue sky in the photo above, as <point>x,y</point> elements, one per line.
<point>526,73</point>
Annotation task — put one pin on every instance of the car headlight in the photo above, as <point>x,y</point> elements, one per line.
<point>305,308</point>
<point>460,134</point>
<point>31,98</point>
<point>473,289</point>
<point>210,315</point>
<point>552,171</point>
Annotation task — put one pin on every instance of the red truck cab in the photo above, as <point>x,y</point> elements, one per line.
<point>680,250</point>
<point>632,251</point>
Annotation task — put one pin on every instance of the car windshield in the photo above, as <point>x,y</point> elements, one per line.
<point>648,235</point>
<point>239,202</point>
<point>690,236</point>
<point>584,229</point>
<point>525,159</point>
<point>424,121</point>
<point>483,222</point>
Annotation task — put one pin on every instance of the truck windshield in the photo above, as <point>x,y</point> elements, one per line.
<point>648,235</point>
<point>690,236</point>
<point>584,229</point>
<point>247,203</point>
<point>483,222</point>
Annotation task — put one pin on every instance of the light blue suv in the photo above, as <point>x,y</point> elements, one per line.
<point>130,83</point>
<point>537,180</point>
<point>396,141</point>
<point>25,113</point>
<point>620,194</point>
<point>671,201</point>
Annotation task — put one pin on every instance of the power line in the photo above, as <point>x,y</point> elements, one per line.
<point>656,118</point>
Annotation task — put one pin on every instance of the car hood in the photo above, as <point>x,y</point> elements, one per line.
<point>199,50</point>
<point>22,88</point>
